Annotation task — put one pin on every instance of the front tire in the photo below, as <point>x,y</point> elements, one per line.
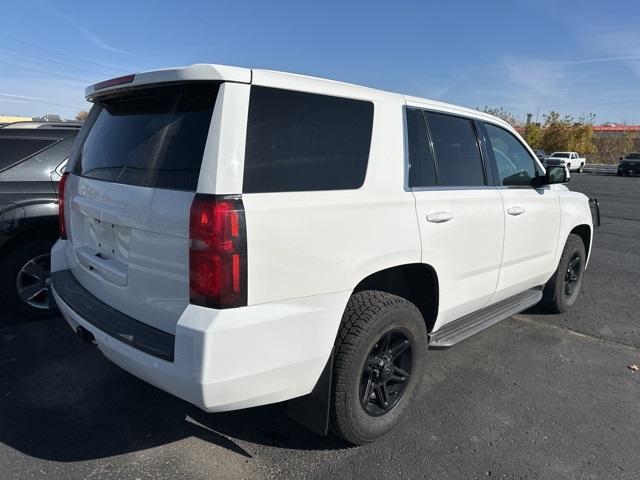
<point>25,280</point>
<point>562,291</point>
<point>379,363</point>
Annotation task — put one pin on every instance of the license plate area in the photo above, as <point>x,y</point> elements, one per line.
<point>108,240</point>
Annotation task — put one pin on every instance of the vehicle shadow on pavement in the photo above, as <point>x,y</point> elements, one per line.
<point>62,400</point>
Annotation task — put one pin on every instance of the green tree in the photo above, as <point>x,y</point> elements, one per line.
<point>533,135</point>
<point>566,133</point>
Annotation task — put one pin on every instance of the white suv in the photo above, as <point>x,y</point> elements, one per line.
<point>239,237</point>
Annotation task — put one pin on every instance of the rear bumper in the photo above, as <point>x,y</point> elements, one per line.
<point>222,359</point>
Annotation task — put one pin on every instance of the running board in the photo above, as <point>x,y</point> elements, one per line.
<point>464,327</point>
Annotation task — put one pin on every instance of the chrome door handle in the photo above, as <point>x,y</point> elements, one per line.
<point>439,217</point>
<point>516,210</point>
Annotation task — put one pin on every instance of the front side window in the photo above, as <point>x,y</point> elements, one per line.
<point>515,165</point>
<point>456,150</point>
<point>298,141</point>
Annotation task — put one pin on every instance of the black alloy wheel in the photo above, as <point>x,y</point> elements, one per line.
<point>563,289</point>
<point>572,275</point>
<point>378,366</point>
<point>386,373</point>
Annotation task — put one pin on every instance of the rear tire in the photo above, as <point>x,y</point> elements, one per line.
<point>581,168</point>
<point>562,290</point>
<point>379,363</point>
<point>24,272</point>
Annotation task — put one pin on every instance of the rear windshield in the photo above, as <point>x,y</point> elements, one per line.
<point>152,138</point>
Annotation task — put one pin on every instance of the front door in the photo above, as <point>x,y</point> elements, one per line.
<point>531,216</point>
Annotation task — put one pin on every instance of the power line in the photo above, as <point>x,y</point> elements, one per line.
<point>46,72</point>
<point>59,52</point>
<point>43,102</point>
<point>35,58</point>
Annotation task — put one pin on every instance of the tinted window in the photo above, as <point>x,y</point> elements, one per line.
<point>457,154</point>
<point>153,137</point>
<point>12,150</point>
<point>301,141</point>
<point>515,164</point>
<point>422,171</point>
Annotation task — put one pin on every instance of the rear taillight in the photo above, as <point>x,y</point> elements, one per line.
<point>217,251</point>
<point>61,187</point>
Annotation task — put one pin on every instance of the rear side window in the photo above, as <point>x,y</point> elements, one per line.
<point>14,149</point>
<point>152,138</point>
<point>516,166</point>
<point>456,149</point>
<point>300,141</point>
<point>422,170</point>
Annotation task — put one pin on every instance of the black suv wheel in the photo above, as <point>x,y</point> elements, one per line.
<point>25,280</point>
<point>379,364</point>
<point>561,292</point>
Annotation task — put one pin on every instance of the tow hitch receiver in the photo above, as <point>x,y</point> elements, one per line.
<point>85,336</point>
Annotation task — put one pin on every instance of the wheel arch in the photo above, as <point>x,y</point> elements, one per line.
<point>584,231</point>
<point>416,282</point>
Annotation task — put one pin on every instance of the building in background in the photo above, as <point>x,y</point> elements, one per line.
<point>614,141</point>
<point>12,118</point>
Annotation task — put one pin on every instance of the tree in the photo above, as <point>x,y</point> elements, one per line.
<point>566,133</point>
<point>81,116</point>
<point>500,112</point>
<point>533,135</point>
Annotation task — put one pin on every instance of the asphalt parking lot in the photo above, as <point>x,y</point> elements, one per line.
<point>536,397</point>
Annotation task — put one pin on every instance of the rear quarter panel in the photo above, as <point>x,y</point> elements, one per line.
<point>310,243</point>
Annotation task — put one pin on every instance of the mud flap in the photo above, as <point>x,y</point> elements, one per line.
<point>312,410</point>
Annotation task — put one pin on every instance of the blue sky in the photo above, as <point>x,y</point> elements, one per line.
<point>575,57</point>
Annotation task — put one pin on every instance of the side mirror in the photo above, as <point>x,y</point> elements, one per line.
<point>555,174</point>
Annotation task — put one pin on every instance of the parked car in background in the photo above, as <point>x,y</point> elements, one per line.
<point>571,160</point>
<point>31,164</point>
<point>541,154</point>
<point>629,165</point>
<point>222,243</point>
<point>41,124</point>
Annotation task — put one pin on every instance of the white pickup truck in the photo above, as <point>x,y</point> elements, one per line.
<point>571,160</point>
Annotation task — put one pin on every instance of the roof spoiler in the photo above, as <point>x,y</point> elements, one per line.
<point>197,72</point>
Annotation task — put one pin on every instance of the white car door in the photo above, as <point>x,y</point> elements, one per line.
<point>459,215</point>
<point>531,216</point>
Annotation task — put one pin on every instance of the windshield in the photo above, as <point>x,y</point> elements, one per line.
<point>153,137</point>
<point>560,155</point>
<point>633,156</point>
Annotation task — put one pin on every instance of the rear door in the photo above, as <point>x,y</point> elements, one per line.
<point>459,212</point>
<point>531,215</point>
<point>134,176</point>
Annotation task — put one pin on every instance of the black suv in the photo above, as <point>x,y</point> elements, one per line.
<point>31,164</point>
<point>629,164</point>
